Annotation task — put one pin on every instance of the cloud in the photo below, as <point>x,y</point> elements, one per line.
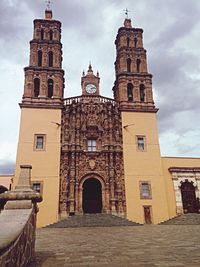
<point>176,67</point>
<point>7,167</point>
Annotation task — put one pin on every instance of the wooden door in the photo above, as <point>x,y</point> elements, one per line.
<point>147,214</point>
<point>189,197</point>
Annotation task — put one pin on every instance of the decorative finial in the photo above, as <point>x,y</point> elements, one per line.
<point>90,66</point>
<point>126,12</point>
<point>90,71</point>
<point>49,4</point>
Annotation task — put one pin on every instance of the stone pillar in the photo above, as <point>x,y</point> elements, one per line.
<point>198,185</point>
<point>179,203</point>
<point>22,197</point>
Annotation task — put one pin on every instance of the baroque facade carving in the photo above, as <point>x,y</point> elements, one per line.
<point>97,118</point>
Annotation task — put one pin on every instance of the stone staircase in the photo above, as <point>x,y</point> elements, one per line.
<point>185,219</point>
<point>93,220</point>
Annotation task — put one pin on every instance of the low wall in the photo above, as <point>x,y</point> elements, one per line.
<point>17,236</point>
<point>18,222</point>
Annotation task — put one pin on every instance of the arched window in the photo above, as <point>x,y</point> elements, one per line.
<point>138,62</point>
<point>51,35</point>
<point>135,42</point>
<point>128,64</point>
<point>142,92</point>
<point>36,87</point>
<point>128,41</point>
<point>42,34</point>
<point>50,59</point>
<point>39,58</point>
<point>130,91</point>
<point>50,88</point>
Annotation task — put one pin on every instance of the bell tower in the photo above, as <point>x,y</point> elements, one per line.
<point>44,77</point>
<point>133,85</point>
<point>141,150</point>
<point>39,142</point>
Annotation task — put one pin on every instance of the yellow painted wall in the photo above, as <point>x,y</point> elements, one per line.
<point>6,180</point>
<point>45,164</point>
<point>143,166</point>
<point>168,162</point>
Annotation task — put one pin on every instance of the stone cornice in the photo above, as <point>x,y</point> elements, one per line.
<point>43,106</point>
<point>184,169</point>
<point>132,109</point>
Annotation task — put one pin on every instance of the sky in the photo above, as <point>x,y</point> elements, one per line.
<point>89,28</point>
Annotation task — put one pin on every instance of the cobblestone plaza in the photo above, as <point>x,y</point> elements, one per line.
<point>138,246</point>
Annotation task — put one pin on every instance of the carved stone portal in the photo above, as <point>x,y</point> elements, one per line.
<point>91,118</point>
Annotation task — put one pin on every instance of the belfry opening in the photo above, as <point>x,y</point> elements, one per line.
<point>92,196</point>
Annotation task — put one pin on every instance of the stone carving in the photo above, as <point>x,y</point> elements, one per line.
<point>96,118</point>
<point>92,164</point>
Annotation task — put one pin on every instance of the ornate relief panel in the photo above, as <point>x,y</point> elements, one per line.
<point>91,118</point>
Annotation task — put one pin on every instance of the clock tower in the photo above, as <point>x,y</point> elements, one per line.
<point>90,82</point>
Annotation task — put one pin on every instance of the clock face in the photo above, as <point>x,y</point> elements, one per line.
<point>91,88</point>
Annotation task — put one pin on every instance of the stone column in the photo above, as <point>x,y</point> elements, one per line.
<point>179,203</point>
<point>22,197</point>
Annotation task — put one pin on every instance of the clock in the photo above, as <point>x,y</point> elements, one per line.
<point>91,88</point>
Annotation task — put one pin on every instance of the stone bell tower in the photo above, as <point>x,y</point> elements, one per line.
<point>141,150</point>
<point>133,85</point>
<point>41,106</point>
<point>44,77</point>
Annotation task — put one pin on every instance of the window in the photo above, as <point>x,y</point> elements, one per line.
<point>142,92</point>
<point>37,186</point>
<point>50,88</point>
<point>39,58</point>
<point>50,59</point>
<point>128,41</point>
<point>128,64</point>
<point>51,35</point>
<point>92,145</point>
<point>145,190</point>
<point>138,62</point>
<point>141,143</point>
<point>36,87</point>
<point>130,91</point>
<point>135,42</point>
<point>39,142</point>
<point>42,34</point>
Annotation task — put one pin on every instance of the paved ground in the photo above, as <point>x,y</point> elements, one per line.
<point>138,246</point>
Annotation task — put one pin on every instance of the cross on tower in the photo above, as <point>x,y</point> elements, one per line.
<point>126,12</point>
<point>49,3</point>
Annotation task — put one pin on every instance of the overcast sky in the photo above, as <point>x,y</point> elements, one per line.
<point>89,27</point>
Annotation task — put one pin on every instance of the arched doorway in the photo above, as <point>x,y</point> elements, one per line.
<point>2,202</point>
<point>188,197</point>
<point>92,196</point>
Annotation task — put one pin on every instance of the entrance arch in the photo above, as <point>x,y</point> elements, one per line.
<point>92,196</point>
<point>2,202</point>
<point>188,197</point>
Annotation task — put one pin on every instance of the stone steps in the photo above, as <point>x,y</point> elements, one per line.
<point>185,219</point>
<point>93,220</point>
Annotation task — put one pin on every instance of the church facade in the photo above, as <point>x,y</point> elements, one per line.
<point>93,154</point>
